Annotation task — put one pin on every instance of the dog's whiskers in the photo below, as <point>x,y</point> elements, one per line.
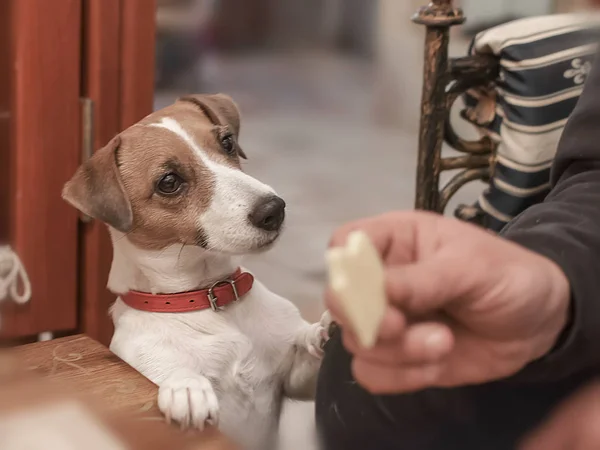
<point>162,253</point>
<point>177,265</point>
<point>127,234</point>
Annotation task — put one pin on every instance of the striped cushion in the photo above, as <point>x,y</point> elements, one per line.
<point>544,62</point>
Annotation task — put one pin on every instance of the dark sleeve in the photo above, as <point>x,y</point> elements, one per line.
<point>566,229</point>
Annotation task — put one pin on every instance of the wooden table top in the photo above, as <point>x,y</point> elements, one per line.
<point>83,367</point>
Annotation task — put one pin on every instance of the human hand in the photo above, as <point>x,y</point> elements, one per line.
<point>574,426</point>
<point>465,306</point>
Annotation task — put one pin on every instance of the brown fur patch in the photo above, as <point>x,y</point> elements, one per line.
<point>97,190</point>
<point>149,154</point>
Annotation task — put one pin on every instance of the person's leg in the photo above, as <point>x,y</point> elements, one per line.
<point>350,418</point>
<point>493,416</point>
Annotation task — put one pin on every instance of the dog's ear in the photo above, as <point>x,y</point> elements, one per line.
<point>96,189</point>
<point>221,110</point>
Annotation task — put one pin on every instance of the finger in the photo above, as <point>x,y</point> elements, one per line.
<point>424,343</point>
<point>391,330</point>
<point>393,234</point>
<point>393,325</point>
<point>383,379</point>
<point>426,286</point>
<point>378,228</point>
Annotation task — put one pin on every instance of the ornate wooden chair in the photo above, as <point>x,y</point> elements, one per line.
<point>520,82</point>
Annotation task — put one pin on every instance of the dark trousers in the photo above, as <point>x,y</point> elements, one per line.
<point>488,417</point>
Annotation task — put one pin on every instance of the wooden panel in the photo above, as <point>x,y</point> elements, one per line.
<point>5,88</point>
<point>119,77</point>
<point>101,83</point>
<point>44,154</point>
<point>138,47</point>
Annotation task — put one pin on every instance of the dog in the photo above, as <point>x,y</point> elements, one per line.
<point>223,349</point>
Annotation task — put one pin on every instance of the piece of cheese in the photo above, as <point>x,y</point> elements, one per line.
<point>356,276</point>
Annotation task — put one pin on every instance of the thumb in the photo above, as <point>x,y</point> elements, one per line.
<point>427,285</point>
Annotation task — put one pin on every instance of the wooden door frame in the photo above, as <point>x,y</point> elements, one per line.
<point>43,151</point>
<point>118,67</point>
<point>5,115</point>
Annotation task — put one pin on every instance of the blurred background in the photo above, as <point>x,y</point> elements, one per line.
<point>329,92</point>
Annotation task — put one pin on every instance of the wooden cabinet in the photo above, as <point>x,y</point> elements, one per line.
<point>71,71</point>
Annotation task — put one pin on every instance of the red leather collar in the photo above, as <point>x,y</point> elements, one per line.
<point>220,294</point>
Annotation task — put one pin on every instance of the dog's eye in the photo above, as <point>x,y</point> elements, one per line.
<point>169,184</point>
<point>228,143</point>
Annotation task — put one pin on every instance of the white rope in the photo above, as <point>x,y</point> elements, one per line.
<point>13,277</point>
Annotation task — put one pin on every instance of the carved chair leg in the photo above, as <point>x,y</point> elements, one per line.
<point>443,82</point>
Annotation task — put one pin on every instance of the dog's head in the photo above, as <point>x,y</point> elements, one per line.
<point>175,178</point>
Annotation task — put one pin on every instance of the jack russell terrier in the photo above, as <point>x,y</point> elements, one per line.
<point>221,347</point>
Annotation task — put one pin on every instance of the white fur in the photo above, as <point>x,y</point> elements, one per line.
<point>234,366</point>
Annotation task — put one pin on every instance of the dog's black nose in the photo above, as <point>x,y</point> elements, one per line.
<point>268,214</point>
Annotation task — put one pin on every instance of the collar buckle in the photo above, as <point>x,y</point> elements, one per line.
<point>212,298</point>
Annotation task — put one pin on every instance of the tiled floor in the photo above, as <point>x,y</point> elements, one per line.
<point>309,131</point>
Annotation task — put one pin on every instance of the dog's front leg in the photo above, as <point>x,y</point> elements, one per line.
<point>185,395</point>
<point>301,381</point>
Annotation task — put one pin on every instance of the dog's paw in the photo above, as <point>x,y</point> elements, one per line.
<point>328,325</point>
<point>318,336</point>
<point>189,400</point>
